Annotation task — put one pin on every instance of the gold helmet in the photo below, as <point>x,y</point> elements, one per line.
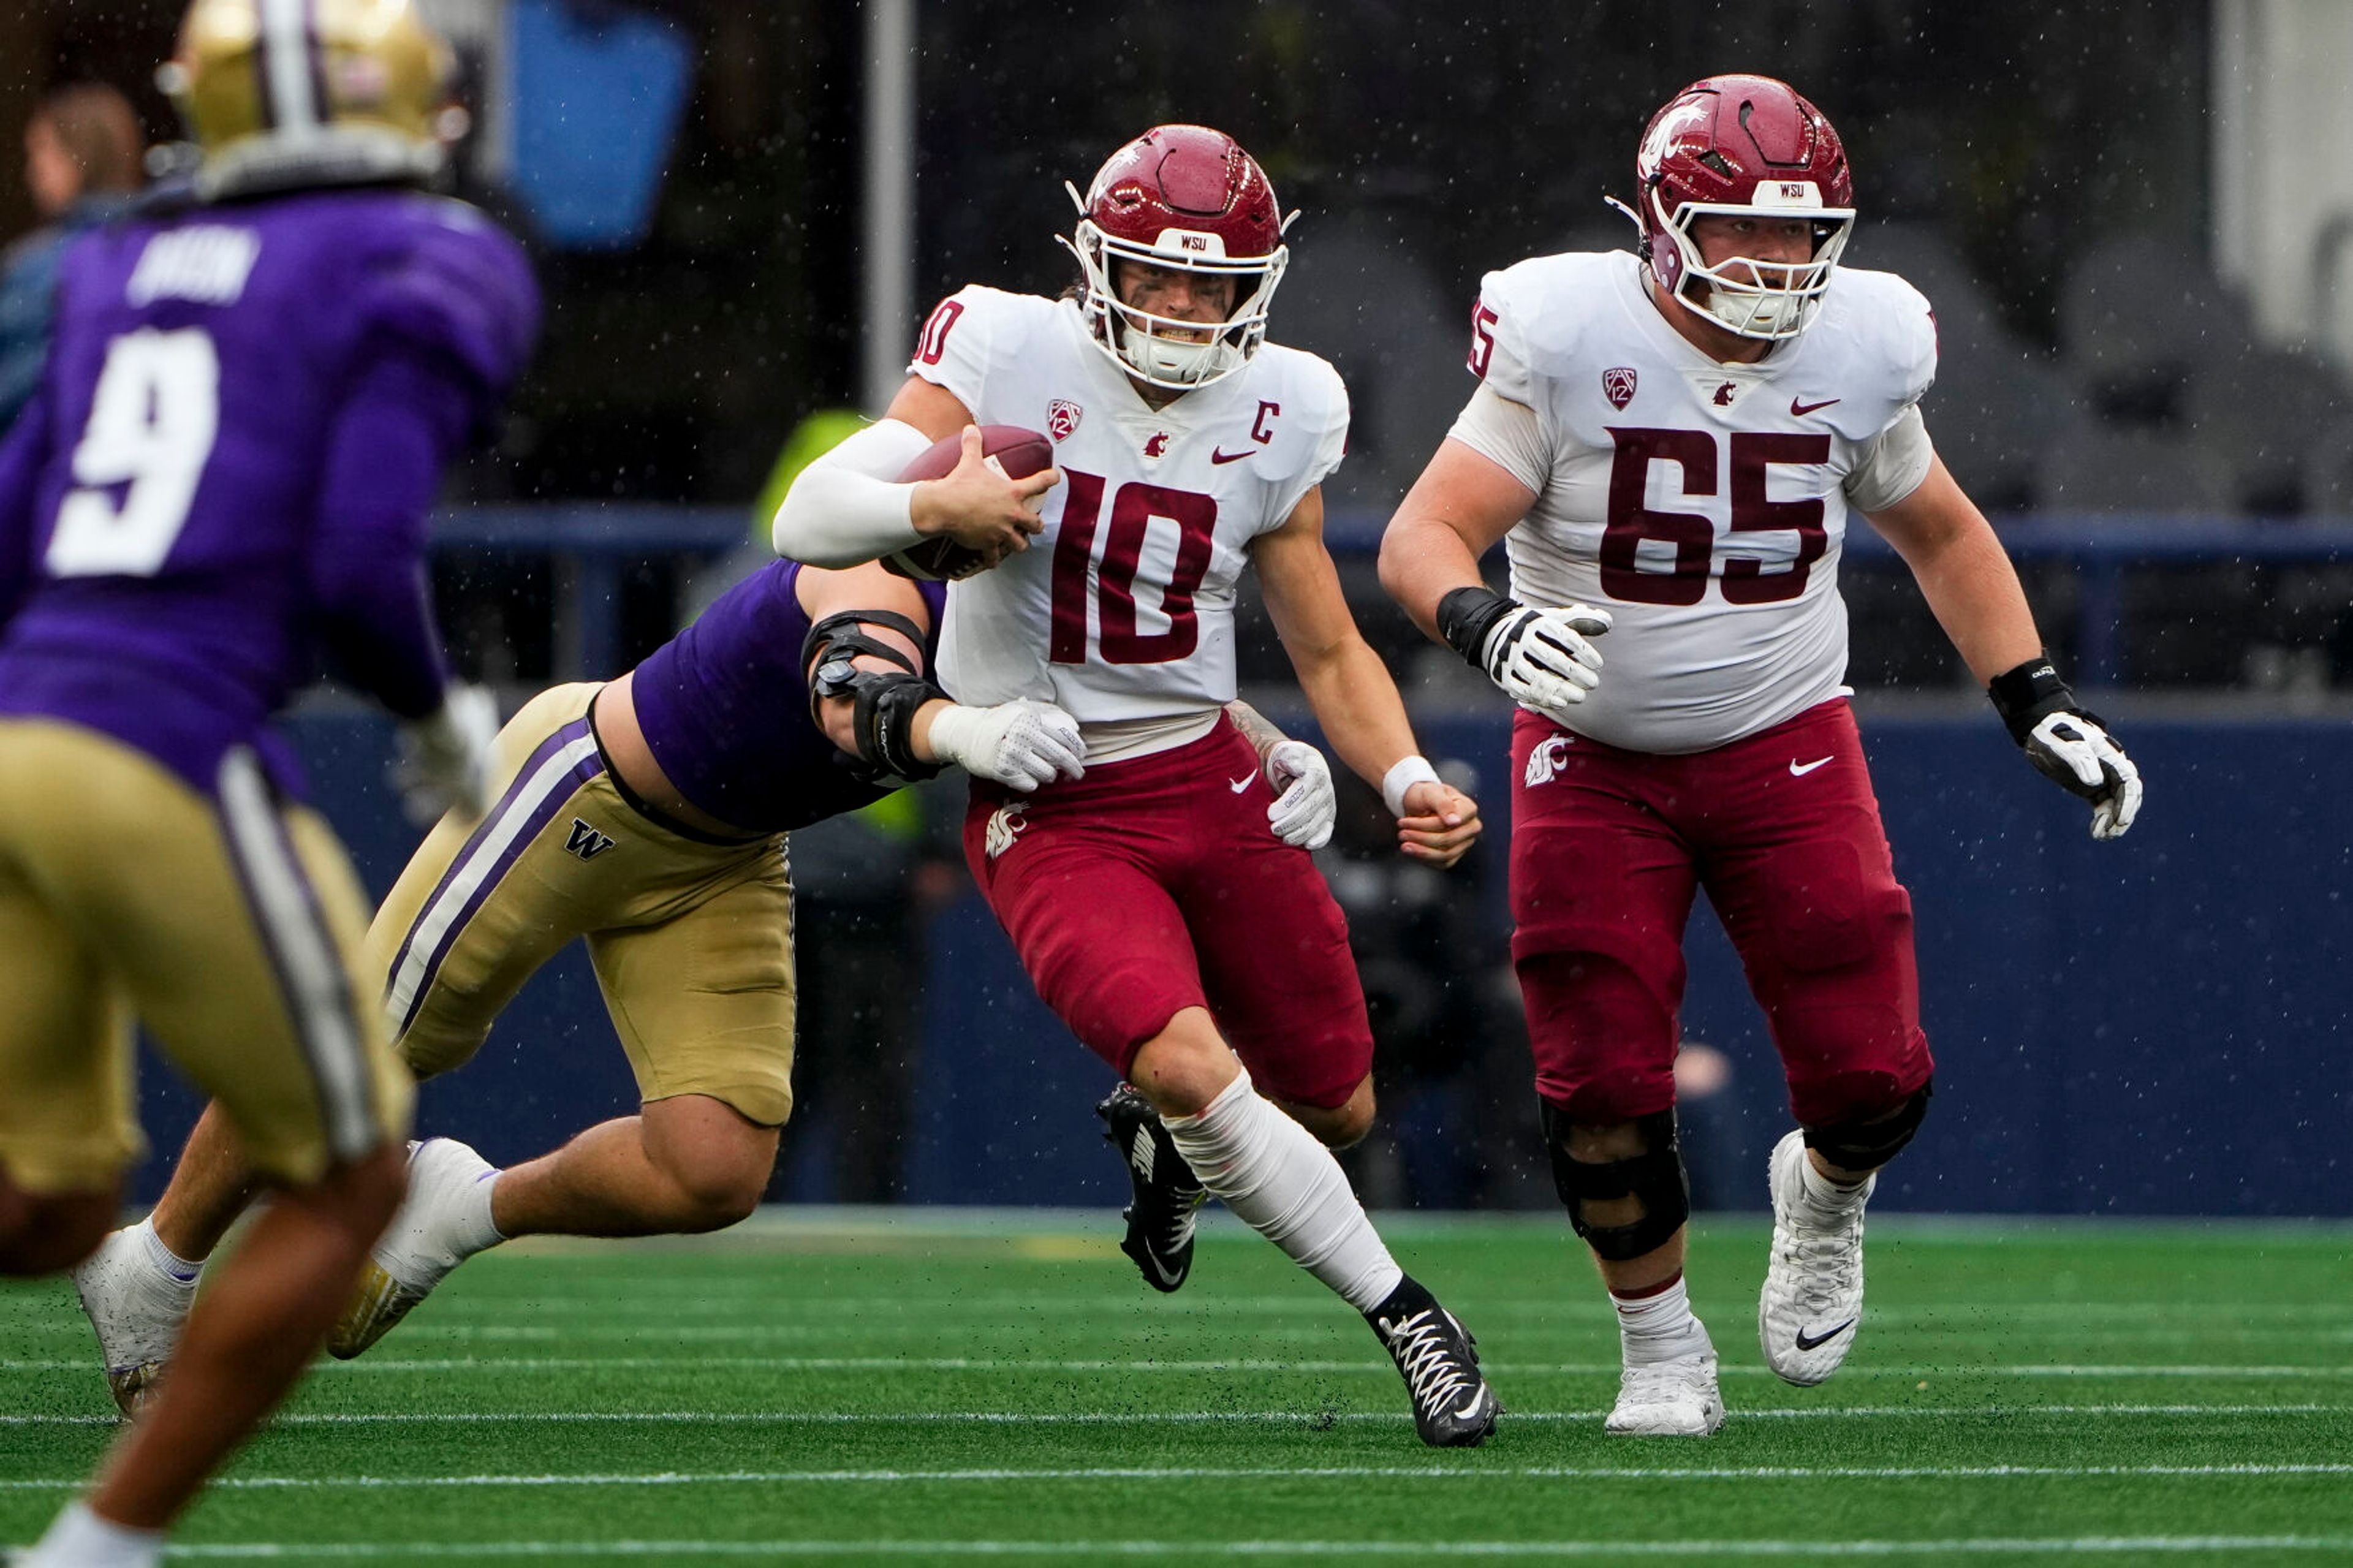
<point>285,92</point>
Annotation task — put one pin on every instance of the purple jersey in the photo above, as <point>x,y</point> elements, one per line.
<point>227,470</point>
<point>724,707</point>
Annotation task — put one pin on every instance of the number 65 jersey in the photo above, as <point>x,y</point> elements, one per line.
<point>1123,609</point>
<point>1703,505</point>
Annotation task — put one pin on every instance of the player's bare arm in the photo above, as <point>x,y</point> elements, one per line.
<point>1458,511</point>
<point>1963,573</point>
<point>1969,581</point>
<point>1350,689</point>
<point>880,620</point>
<point>1463,503</point>
<point>850,507</point>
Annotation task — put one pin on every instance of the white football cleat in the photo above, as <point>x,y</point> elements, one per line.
<point>1674,1398</point>
<point>432,1234</point>
<point>137,1309</point>
<point>1812,1299</point>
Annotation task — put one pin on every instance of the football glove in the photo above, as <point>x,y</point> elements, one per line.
<point>2072,751</point>
<point>1542,658</point>
<point>1020,744</point>
<point>446,760</point>
<point>1305,804</point>
<point>2067,745</point>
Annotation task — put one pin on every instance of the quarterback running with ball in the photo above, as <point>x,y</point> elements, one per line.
<point>1152,902</point>
<point>1670,443</point>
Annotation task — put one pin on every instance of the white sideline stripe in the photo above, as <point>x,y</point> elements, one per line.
<point>434,923</point>
<point>2043,1545</point>
<point>1246,1472</point>
<point>1156,1418</point>
<point>1235,1363</point>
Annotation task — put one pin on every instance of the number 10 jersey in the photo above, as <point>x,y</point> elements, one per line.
<point>1701,504</point>
<point>1123,609</point>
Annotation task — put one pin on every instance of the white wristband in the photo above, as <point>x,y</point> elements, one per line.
<point>1407,772</point>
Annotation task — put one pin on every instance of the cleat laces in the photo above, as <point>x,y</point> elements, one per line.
<point>1433,1373</point>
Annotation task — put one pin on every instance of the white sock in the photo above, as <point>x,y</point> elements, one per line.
<point>1285,1185</point>
<point>1658,1326</point>
<point>1829,1196</point>
<point>83,1539</point>
<point>475,1230</point>
<point>173,1267</point>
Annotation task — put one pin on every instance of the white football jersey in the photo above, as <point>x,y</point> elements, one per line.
<point>1123,609</point>
<point>1700,503</point>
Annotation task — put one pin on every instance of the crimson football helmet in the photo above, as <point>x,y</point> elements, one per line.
<point>1747,146</point>
<point>1187,198</point>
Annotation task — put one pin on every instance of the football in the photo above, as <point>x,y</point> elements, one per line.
<point>1011,450</point>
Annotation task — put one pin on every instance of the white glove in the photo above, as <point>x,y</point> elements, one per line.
<point>447,758</point>
<point>2071,750</point>
<point>1304,805</point>
<point>1541,658</point>
<point>1019,744</point>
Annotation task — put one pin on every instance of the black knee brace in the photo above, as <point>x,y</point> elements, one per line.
<point>1866,1144</point>
<point>1655,1177</point>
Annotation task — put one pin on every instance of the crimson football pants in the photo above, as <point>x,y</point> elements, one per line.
<point>1783,831</point>
<point>1155,884</point>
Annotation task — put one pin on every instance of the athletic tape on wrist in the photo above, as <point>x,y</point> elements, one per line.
<point>1402,776</point>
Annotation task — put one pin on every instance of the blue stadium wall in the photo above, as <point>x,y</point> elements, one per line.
<point>2163,1027</point>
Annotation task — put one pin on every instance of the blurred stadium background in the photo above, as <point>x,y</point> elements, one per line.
<point>2133,217</point>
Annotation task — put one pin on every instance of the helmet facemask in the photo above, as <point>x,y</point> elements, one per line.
<point>1768,300</point>
<point>1165,350</point>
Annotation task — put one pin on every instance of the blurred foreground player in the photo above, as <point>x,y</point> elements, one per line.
<point>250,396</point>
<point>1670,444</point>
<point>1152,903</point>
<point>645,816</point>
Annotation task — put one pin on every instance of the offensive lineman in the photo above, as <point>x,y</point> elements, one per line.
<point>250,394</point>
<point>1156,913</point>
<point>1670,444</point>
<point>646,816</point>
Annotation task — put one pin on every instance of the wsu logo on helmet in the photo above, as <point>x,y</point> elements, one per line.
<point>1062,418</point>
<point>1618,384</point>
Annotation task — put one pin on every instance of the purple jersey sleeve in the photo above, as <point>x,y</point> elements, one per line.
<point>384,456</point>
<point>458,294</point>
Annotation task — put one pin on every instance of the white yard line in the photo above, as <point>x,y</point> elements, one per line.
<point>1164,1417</point>
<point>1246,1472</point>
<point>1320,1367</point>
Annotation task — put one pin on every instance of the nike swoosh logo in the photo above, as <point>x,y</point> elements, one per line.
<point>1233,456</point>
<point>1800,410</point>
<point>1242,783</point>
<point>1799,770</point>
<point>1812,1342</point>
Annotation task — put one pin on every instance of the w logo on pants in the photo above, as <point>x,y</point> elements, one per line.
<point>586,841</point>
<point>1548,758</point>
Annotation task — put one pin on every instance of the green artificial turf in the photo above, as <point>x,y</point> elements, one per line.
<point>911,1388</point>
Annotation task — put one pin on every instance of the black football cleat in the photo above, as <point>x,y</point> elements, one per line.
<point>1160,1221</point>
<point>1452,1405</point>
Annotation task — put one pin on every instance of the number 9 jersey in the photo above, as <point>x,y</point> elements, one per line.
<point>1123,609</point>
<point>193,511</point>
<point>1702,504</point>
